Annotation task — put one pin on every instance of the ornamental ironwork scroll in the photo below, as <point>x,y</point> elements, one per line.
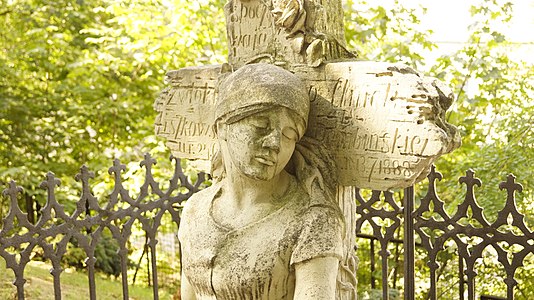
<point>55,227</point>
<point>467,231</point>
<point>429,227</point>
<point>472,233</point>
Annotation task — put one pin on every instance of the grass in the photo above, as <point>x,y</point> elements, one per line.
<point>74,285</point>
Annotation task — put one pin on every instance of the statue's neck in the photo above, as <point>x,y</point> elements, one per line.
<point>246,191</point>
<point>244,201</point>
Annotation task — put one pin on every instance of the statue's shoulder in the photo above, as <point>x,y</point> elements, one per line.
<point>309,202</point>
<point>201,200</point>
<point>320,205</point>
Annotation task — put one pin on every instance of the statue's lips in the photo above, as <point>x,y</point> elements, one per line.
<point>265,160</point>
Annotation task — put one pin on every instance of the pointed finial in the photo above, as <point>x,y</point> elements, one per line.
<point>117,167</point>
<point>148,161</point>
<point>84,174</point>
<point>511,185</point>
<point>51,182</point>
<point>470,180</point>
<point>12,190</point>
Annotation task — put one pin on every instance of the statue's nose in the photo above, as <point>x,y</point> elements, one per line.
<point>272,140</point>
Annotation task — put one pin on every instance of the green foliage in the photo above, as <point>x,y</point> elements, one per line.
<point>77,83</point>
<point>496,115</point>
<point>78,80</point>
<point>168,266</point>
<point>381,34</point>
<point>493,110</point>
<point>106,253</point>
<point>73,285</point>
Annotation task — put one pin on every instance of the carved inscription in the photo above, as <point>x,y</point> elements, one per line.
<point>250,32</point>
<point>383,126</point>
<point>374,170</point>
<point>354,139</point>
<point>182,126</point>
<point>185,112</point>
<point>255,33</point>
<point>347,94</point>
<point>202,93</point>
<point>367,158</point>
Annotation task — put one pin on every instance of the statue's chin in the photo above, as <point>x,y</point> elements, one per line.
<point>266,176</point>
<point>258,174</point>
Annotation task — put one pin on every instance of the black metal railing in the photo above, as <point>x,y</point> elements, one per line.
<point>55,228</point>
<point>423,231</point>
<point>429,230</point>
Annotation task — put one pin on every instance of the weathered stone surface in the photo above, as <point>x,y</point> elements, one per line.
<point>186,112</point>
<point>264,231</point>
<point>285,32</point>
<point>383,122</point>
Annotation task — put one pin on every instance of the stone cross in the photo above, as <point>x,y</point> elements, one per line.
<point>384,123</point>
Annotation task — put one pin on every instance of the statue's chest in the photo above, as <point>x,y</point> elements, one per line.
<point>254,260</point>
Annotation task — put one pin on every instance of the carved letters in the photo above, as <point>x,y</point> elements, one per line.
<point>308,34</point>
<point>251,34</point>
<point>384,123</point>
<point>384,127</point>
<point>185,112</point>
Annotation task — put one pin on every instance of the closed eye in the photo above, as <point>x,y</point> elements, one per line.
<point>259,122</point>
<point>290,133</point>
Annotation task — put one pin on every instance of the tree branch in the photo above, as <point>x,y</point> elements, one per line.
<point>5,12</point>
<point>467,77</point>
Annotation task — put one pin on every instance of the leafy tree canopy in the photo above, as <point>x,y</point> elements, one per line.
<point>78,79</point>
<point>495,120</point>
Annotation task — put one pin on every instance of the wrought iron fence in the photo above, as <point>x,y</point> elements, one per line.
<point>55,228</point>
<point>428,230</point>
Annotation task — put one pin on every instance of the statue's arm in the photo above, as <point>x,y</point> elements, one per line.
<point>315,279</point>
<point>186,290</point>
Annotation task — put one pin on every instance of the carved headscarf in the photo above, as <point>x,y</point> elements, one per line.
<point>258,87</point>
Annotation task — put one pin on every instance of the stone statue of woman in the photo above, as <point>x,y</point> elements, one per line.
<point>269,227</point>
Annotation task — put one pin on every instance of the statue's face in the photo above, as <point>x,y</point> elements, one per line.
<point>261,145</point>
